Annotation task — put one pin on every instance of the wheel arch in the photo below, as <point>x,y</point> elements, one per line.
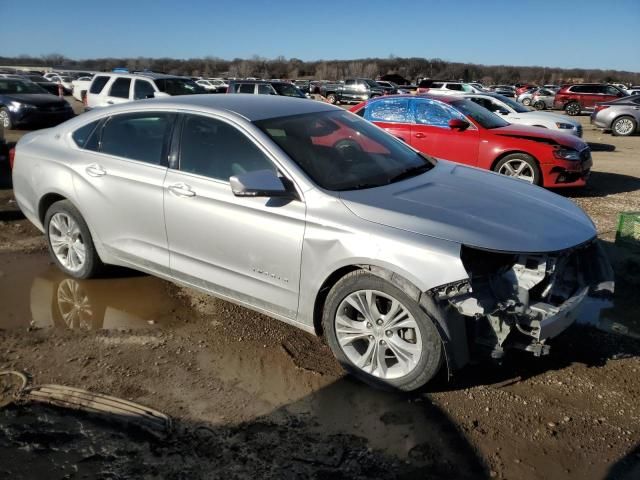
<point>46,201</point>
<point>510,152</point>
<point>451,328</point>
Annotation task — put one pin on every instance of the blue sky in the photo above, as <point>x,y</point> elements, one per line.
<point>562,33</point>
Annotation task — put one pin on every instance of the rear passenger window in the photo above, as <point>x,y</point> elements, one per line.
<point>215,149</point>
<point>98,84</point>
<point>391,110</point>
<point>264,89</point>
<point>120,88</point>
<point>137,136</point>
<point>454,86</point>
<point>82,135</point>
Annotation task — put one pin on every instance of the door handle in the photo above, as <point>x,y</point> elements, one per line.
<point>95,170</point>
<point>181,190</point>
<point>419,135</point>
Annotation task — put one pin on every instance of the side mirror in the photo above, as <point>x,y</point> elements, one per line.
<point>457,124</point>
<point>259,183</point>
<point>160,94</point>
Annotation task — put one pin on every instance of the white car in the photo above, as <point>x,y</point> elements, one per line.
<point>448,88</point>
<point>63,80</point>
<point>112,88</point>
<point>514,112</point>
<point>80,87</point>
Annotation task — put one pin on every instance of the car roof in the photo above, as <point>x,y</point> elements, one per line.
<point>441,98</point>
<point>148,75</point>
<point>250,107</point>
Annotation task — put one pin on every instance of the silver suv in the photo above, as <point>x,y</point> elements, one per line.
<point>113,88</point>
<point>312,215</point>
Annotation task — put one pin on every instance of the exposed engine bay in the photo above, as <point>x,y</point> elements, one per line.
<point>521,300</point>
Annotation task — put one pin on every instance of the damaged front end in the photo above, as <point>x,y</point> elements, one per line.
<point>520,300</point>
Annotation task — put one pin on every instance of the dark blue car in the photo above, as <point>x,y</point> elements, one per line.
<point>25,104</point>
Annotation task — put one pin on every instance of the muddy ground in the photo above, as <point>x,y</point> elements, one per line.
<point>254,398</point>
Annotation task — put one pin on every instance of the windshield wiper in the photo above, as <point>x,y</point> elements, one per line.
<point>411,172</point>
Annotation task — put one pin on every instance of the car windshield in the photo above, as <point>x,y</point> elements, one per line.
<point>9,86</point>
<point>288,90</point>
<point>178,86</point>
<point>480,114</point>
<point>518,107</point>
<point>341,151</point>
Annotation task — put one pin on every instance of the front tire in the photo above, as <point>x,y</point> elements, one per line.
<point>5,119</point>
<point>526,102</point>
<point>623,127</point>
<point>540,105</point>
<point>520,165</point>
<point>379,334</point>
<point>332,99</point>
<point>70,243</point>
<point>572,109</point>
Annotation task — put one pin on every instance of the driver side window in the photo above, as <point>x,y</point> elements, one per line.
<point>216,149</point>
<point>434,113</point>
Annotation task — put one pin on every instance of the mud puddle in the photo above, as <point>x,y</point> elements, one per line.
<point>36,294</point>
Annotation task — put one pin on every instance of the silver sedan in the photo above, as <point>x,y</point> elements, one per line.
<point>621,116</point>
<point>312,215</point>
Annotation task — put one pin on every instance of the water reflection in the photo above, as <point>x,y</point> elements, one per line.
<point>36,293</point>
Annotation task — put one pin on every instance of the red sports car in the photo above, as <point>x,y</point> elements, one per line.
<point>457,129</point>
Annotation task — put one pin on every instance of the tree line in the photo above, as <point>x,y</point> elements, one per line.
<point>294,68</point>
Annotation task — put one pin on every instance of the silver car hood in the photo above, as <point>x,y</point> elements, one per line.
<point>475,208</point>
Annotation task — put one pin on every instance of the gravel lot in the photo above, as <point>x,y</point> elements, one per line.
<point>254,398</point>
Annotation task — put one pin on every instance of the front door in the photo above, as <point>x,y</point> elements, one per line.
<point>119,182</point>
<point>432,135</point>
<point>242,248</point>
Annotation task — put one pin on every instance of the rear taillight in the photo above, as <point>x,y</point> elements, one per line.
<point>12,156</point>
<point>600,107</point>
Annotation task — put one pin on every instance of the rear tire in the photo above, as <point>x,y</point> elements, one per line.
<point>539,105</point>
<point>624,126</point>
<point>526,102</point>
<point>520,165</point>
<point>388,340</point>
<point>70,243</point>
<point>572,109</point>
<point>332,99</point>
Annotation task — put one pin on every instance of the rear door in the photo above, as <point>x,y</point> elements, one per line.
<point>119,182</point>
<point>393,115</point>
<point>431,134</point>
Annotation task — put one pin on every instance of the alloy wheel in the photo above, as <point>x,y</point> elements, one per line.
<point>573,109</point>
<point>378,334</point>
<point>518,168</point>
<point>66,241</point>
<point>624,126</point>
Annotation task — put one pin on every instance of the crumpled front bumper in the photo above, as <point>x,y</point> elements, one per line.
<point>523,300</point>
